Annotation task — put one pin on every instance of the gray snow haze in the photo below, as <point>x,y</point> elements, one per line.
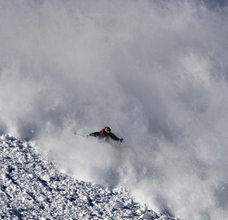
<point>155,71</point>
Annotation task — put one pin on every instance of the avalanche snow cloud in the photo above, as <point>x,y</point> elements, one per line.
<point>154,71</point>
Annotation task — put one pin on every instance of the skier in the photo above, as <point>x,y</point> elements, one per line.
<point>105,134</point>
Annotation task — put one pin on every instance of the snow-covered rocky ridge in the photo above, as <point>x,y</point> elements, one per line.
<point>31,187</point>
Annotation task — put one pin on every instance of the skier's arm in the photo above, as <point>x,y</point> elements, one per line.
<point>113,136</point>
<point>95,134</point>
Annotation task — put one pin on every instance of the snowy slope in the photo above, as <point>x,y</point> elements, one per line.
<point>32,188</point>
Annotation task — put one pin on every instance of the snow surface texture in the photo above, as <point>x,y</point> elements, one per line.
<point>155,71</point>
<point>32,188</point>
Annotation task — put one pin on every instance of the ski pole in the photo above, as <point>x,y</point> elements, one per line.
<point>119,144</point>
<point>85,136</point>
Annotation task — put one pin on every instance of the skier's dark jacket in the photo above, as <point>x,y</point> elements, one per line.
<point>105,135</point>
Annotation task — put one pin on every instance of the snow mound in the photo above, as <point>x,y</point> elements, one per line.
<point>32,188</point>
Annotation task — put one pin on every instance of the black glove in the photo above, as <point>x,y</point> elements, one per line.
<point>121,139</point>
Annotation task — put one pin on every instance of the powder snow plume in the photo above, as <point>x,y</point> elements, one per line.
<point>154,71</point>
